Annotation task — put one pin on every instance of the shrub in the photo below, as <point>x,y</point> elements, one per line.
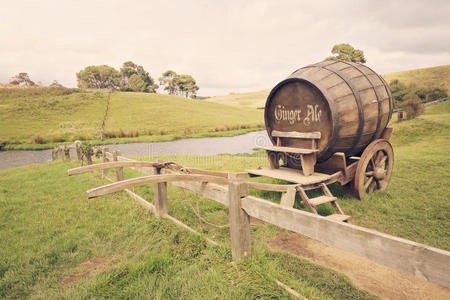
<point>37,139</point>
<point>413,107</point>
<point>119,133</point>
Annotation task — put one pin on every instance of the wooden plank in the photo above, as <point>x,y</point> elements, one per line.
<point>338,217</point>
<point>209,190</point>
<point>112,164</point>
<point>420,260</point>
<point>239,220</point>
<point>133,182</point>
<point>291,175</point>
<point>288,198</point>
<point>308,162</point>
<point>321,200</point>
<point>216,173</point>
<point>270,186</point>
<point>290,150</point>
<point>296,134</point>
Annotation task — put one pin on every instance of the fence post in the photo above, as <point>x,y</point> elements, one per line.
<point>119,171</point>
<point>105,159</point>
<point>239,219</point>
<point>66,151</point>
<point>160,195</point>
<point>60,152</point>
<point>78,150</point>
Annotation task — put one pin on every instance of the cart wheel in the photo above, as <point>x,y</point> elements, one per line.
<point>374,169</point>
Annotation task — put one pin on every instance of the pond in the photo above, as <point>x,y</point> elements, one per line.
<point>199,146</point>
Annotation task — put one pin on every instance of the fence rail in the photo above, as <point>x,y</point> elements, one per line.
<point>420,260</point>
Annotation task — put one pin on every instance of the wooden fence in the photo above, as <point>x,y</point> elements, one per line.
<point>231,190</point>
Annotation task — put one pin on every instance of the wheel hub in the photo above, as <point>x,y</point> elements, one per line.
<point>379,173</point>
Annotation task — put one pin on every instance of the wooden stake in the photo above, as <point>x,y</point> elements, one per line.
<point>78,150</point>
<point>160,195</point>
<point>119,171</point>
<point>105,159</point>
<point>239,219</point>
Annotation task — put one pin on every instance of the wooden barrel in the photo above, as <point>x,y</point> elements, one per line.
<point>348,103</point>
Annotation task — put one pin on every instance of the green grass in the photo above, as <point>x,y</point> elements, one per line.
<point>48,228</point>
<point>41,118</point>
<point>427,77</point>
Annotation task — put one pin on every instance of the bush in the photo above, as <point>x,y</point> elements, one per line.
<point>37,139</point>
<point>120,133</point>
<point>431,94</point>
<point>401,92</point>
<point>413,107</point>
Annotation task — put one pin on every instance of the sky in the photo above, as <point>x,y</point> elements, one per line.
<point>227,46</point>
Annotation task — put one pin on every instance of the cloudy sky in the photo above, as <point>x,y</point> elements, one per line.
<point>227,46</point>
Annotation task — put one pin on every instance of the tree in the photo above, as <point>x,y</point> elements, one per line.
<point>137,84</point>
<point>56,84</point>
<point>167,80</point>
<point>179,84</point>
<point>22,79</point>
<point>142,80</point>
<point>186,85</point>
<point>348,53</point>
<point>99,77</point>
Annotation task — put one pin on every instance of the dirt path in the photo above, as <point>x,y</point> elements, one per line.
<point>90,267</point>
<point>382,281</point>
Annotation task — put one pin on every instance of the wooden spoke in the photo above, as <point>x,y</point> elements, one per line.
<point>372,162</point>
<point>368,183</point>
<point>374,169</point>
<point>382,160</point>
<point>372,187</point>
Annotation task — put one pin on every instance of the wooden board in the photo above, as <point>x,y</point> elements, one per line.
<point>290,150</point>
<point>291,175</point>
<point>295,134</point>
<point>420,260</point>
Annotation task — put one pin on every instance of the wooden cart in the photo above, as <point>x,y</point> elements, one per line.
<point>328,123</point>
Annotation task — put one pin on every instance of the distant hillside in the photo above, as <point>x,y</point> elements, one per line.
<point>250,100</point>
<point>46,115</point>
<point>435,76</point>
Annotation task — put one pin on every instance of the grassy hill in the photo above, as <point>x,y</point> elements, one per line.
<point>250,100</point>
<point>39,117</point>
<point>427,77</point>
<point>62,245</point>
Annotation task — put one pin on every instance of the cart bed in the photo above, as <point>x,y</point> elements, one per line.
<point>291,175</point>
